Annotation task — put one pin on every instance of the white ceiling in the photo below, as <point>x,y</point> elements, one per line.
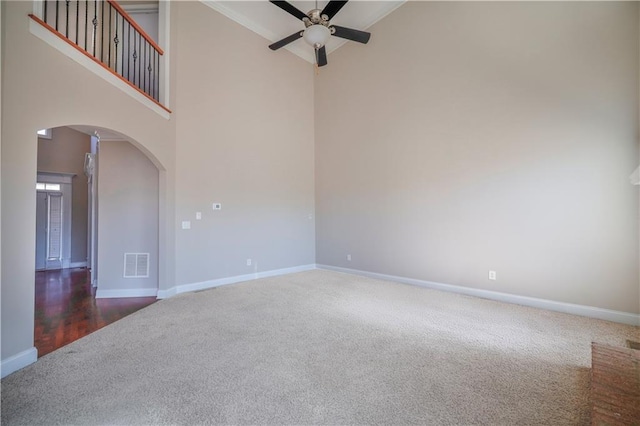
<point>274,24</point>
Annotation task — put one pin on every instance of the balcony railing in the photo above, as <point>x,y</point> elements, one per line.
<point>104,31</point>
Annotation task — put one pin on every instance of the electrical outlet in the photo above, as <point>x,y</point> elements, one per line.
<point>349,257</point>
<point>198,215</point>
<point>492,275</point>
<point>248,262</point>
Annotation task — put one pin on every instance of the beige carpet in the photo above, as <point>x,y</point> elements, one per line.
<point>318,347</point>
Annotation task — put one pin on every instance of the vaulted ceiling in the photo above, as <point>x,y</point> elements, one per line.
<point>274,23</point>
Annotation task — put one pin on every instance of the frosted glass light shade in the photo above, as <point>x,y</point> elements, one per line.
<point>317,35</point>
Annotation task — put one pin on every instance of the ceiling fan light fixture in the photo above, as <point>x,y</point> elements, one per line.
<point>317,35</point>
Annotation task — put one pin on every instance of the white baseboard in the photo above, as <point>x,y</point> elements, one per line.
<point>78,265</point>
<point>164,294</point>
<point>550,305</point>
<point>129,292</point>
<point>18,361</point>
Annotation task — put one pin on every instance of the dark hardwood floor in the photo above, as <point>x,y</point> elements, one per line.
<point>66,309</point>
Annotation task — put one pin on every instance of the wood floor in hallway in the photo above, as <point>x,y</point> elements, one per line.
<point>67,310</point>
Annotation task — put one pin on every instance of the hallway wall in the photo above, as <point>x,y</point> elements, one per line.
<point>127,218</point>
<point>64,153</point>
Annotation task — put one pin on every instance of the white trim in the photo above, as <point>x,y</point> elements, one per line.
<point>78,264</point>
<point>164,294</point>
<point>47,134</point>
<point>19,361</point>
<point>139,8</point>
<point>45,35</point>
<point>550,305</point>
<point>164,38</point>
<point>126,292</point>
<point>55,177</point>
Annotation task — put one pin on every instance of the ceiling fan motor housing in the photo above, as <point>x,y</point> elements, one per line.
<point>315,17</point>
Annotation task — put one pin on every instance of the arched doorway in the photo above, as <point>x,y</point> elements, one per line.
<point>111,215</point>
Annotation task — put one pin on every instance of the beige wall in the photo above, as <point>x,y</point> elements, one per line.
<point>244,139</point>
<point>128,215</point>
<point>64,153</point>
<point>486,136</point>
<point>47,89</point>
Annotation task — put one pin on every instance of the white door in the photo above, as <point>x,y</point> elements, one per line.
<point>54,232</point>
<point>49,230</point>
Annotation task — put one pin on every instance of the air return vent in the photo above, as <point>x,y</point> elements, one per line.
<point>136,265</point>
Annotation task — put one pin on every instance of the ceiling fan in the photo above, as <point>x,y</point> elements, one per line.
<point>318,29</point>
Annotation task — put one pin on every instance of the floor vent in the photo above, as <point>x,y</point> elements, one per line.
<point>136,265</point>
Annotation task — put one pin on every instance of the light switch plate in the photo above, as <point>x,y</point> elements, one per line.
<point>186,224</point>
<point>217,206</point>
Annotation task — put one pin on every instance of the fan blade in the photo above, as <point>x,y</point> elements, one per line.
<point>293,37</point>
<point>351,34</point>
<point>332,8</point>
<point>321,56</point>
<point>288,7</point>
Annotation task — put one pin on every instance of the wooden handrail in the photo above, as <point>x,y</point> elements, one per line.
<point>133,23</point>
<point>84,52</point>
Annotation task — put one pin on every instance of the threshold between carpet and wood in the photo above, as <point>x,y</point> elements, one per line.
<point>66,309</point>
<point>319,347</point>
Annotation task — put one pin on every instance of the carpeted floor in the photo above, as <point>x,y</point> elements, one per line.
<point>318,347</point>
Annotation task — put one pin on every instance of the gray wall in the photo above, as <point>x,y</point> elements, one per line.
<point>64,153</point>
<point>468,137</point>
<point>128,215</point>
<point>244,139</point>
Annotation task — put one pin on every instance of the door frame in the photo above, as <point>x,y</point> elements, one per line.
<point>66,189</point>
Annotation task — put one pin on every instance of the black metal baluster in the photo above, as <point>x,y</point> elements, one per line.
<point>116,40</point>
<point>45,12</point>
<point>102,33</point>
<point>66,25</point>
<point>155,74</point>
<point>94,21</point>
<point>77,20</point>
<point>149,68</point>
<point>109,33</point>
<point>86,23</point>
<point>57,13</point>
<point>128,51</point>
<point>135,57</point>
<point>140,57</point>
<point>144,74</point>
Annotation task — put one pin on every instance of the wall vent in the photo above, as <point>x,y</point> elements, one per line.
<point>136,265</point>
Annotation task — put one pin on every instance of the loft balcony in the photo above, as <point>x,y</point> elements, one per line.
<point>103,32</point>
